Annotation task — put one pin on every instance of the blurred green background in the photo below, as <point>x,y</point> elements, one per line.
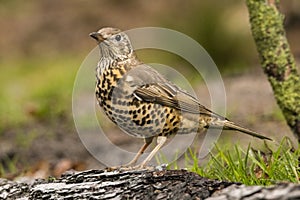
<point>42,44</point>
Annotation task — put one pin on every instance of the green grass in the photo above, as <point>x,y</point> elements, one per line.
<point>249,166</point>
<point>8,166</point>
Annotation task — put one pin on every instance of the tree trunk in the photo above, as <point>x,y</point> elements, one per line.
<point>276,58</point>
<point>141,184</point>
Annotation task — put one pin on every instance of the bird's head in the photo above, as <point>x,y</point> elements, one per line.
<point>113,43</point>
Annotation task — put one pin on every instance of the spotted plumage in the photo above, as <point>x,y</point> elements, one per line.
<point>142,102</point>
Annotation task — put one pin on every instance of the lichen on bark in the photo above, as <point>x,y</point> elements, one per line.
<point>276,58</point>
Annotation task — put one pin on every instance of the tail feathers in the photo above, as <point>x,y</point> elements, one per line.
<point>228,125</point>
<point>231,126</point>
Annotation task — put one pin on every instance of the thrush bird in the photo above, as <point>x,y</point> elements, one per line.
<point>142,102</point>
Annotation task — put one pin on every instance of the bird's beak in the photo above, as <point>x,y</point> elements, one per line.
<point>97,36</point>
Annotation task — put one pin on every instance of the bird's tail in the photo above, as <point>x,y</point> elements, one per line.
<point>231,126</point>
<point>228,125</point>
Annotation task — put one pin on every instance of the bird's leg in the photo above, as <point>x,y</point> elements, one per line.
<point>148,141</point>
<point>160,142</point>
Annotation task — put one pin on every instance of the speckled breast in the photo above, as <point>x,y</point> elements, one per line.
<point>132,115</point>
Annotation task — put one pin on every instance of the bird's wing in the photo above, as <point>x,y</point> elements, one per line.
<point>149,85</point>
<point>170,95</point>
<point>166,94</point>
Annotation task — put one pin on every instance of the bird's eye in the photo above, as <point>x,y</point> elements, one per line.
<point>118,37</point>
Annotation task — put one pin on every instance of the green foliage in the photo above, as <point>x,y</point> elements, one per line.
<point>39,89</point>
<point>224,34</point>
<point>250,167</point>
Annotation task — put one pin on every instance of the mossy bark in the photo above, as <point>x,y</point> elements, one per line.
<point>276,58</point>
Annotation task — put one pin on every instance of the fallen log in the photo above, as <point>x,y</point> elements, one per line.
<point>140,184</point>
